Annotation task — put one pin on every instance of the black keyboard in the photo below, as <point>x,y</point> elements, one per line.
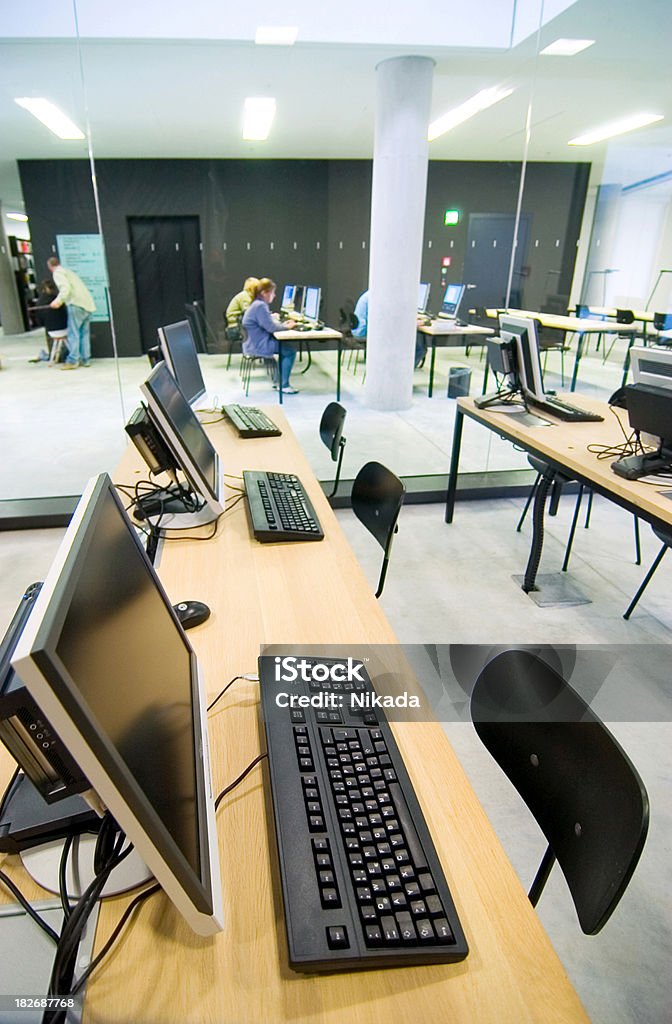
<point>563,410</point>
<point>251,422</point>
<point>362,884</point>
<point>280,508</point>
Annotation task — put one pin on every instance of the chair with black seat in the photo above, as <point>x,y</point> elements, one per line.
<point>666,537</point>
<point>331,433</point>
<point>623,316</point>
<point>377,496</point>
<point>662,322</point>
<point>552,343</point>
<point>347,323</point>
<point>584,792</point>
<point>247,364</point>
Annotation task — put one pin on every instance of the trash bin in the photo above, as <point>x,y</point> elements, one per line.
<point>459,381</point>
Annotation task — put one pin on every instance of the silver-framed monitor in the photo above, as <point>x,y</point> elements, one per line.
<point>196,457</point>
<point>651,366</point>
<point>423,296</point>
<point>117,683</point>
<point>452,298</point>
<point>288,294</point>
<point>311,302</point>
<point>523,332</point>
<point>179,352</point>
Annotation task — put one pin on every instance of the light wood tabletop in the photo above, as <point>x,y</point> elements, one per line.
<point>311,593</point>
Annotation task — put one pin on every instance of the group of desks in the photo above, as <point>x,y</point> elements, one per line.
<point>440,334</point>
<point>312,594</point>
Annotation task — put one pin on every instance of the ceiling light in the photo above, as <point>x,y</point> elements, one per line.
<point>17,216</point>
<point>566,47</point>
<point>481,101</point>
<point>276,35</point>
<point>258,117</point>
<point>49,114</point>
<point>607,131</point>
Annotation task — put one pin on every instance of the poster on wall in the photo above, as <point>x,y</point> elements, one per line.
<point>84,254</point>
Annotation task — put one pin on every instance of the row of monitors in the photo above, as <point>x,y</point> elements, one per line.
<point>302,300</point>
<point>305,300</point>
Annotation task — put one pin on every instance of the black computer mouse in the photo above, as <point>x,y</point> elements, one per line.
<point>191,613</point>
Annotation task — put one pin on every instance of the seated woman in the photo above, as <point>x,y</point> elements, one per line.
<point>262,326</point>
<point>239,303</point>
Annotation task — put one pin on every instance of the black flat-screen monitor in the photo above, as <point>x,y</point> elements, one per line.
<point>181,430</point>
<point>117,681</point>
<point>179,352</point>
<point>522,331</point>
<point>452,298</point>
<point>298,299</point>
<point>423,297</point>
<point>311,302</point>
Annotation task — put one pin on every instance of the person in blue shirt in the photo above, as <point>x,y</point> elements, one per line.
<point>362,314</point>
<point>262,326</point>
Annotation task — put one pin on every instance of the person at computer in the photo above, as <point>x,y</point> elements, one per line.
<point>262,326</point>
<point>362,315</point>
<point>240,302</point>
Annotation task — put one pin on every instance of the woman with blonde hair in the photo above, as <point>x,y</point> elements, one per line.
<point>261,329</point>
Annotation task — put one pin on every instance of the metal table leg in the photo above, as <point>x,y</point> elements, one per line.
<point>454,463</point>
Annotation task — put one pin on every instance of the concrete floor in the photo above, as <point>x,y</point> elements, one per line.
<point>446,585</point>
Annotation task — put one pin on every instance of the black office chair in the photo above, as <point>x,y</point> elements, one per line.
<point>347,322</point>
<point>331,432</point>
<point>666,537</point>
<point>552,343</point>
<point>623,316</point>
<point>247,364</point>
<point>377,497</point>
<point>577,781</point>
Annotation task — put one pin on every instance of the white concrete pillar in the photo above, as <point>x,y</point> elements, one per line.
<point>403,96</point>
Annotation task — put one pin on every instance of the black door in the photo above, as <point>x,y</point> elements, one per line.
<point>167,268</point>
<point>486,263</point>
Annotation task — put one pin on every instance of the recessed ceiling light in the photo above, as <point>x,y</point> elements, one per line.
<point>607,131</point>
<point>566,47</point>
<point>481,101</point>
<point>276,35</point>
<point>49,114</point>
<point>17,216</point>
<point>258,117</point>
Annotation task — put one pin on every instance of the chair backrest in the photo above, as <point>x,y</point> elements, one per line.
<point>331,428</point>
<point>662,321</point>
<point>624,316</point>
<point>377,496</point>
<point>578,782</point>
<point>582,310</point>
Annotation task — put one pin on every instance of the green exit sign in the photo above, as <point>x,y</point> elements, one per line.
<point>451,217</point>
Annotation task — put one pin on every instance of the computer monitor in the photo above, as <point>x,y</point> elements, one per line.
<point>649,412</point>
<point>423,297</point>
<point>522,331</point>
<point>117,684</point>
<point>173,417</point>
<point>451,299</point>
<point>311,302</point>
<point>179,352</point>
<point>298,299</point>
<point>288,296</point>
<point>652,366</point>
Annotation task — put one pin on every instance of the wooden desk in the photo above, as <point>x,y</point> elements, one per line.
<point>448,333</point>
<point>564,445</point>
<point>160,972</point>
<point>571,325</point>
<point>325,334</point>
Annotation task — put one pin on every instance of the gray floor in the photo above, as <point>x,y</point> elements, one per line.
<point>446,585</point>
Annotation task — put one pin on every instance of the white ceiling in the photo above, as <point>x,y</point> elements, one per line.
<point>178,97</point>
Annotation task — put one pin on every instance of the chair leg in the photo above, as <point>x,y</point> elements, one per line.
<point>638,548</point>
<point>541,877</point>
<point>530,498</point>
<point>570,539</point>
<point>383,574</point>
<point>647,580</point>
<point>588,510</point>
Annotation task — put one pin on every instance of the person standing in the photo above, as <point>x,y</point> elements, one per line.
<point>73,293</point>
<point>261,329</point>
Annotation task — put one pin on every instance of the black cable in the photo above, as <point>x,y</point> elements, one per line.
<point>27,906</point>
<point>228,685</point>
<point>240,778</point>
<point>62,881</point>
<point>113,937</point>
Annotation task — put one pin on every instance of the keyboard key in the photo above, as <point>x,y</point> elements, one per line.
<point>337,937</point>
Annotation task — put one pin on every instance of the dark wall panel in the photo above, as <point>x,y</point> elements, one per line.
<point>301,221</point>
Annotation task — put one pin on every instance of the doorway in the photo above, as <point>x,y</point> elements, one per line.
<point>486,263</point>
<point>167,269</point>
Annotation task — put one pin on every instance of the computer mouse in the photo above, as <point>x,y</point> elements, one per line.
<point>191,613</point>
